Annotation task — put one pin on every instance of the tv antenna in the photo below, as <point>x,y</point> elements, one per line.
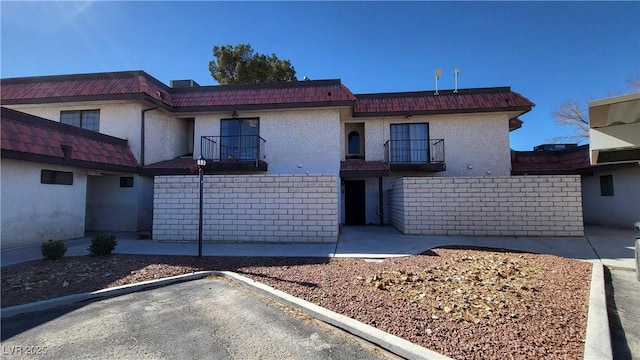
<point>456,71</point>
<point>437,73</point>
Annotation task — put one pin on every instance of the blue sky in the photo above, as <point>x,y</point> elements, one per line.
<point>547,51</point>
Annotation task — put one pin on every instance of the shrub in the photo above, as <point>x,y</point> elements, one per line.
<point>53,249</point>
<point>102,244</point>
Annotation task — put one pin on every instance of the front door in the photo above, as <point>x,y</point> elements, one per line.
<point>354,202</point>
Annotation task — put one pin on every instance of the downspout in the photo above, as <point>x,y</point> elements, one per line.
<point>380,201</point>
<point>142,134</point>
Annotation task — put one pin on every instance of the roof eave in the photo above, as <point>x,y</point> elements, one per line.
<point>520,109</point>
<point>313,104</point>
<point>17,155</point>
<point>106,97</point>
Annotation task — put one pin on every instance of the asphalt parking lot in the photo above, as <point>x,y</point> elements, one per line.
<point>208,318</point>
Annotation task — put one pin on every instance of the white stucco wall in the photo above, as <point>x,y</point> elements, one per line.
<point>114,208</point>
<point>475,144</point>
<point>32,212</point>
<point>620,210</point>
<point>166,137</point>
<point>297,141</point>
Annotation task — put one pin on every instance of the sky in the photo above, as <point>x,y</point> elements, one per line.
<point>549,52</point>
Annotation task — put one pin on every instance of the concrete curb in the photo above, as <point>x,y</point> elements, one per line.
<point>392,343</point>
<point>598,340</point>
<point>104,293</point>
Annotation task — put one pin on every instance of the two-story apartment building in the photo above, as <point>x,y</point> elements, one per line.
<point>286,161</point>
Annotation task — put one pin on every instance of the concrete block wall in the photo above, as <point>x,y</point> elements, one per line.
<point>247,208</point>
<point>488,206</point>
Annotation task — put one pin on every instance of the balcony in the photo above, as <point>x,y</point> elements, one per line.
<point>234,153</point>
<point>415,155</point>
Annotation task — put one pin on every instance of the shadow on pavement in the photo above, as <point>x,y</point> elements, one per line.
<point>618,338</point>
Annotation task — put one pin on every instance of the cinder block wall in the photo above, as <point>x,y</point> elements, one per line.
<point>247,208</point>
<point>488,206</point>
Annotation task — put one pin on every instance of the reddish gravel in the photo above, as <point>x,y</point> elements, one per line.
<point>467,304</point>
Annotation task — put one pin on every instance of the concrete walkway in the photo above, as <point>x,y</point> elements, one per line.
<point>613,247</point>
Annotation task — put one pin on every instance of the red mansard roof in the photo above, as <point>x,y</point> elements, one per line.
<point>310,93</point>
<point>31,138</point>
<point>63,88</point>
<point>571,161</point>
<point>446,102</point>
<point>138,85</point>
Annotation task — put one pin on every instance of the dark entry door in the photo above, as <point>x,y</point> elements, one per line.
<point>354,201</point>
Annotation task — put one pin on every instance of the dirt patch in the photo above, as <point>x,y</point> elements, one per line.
<point>467,304</point>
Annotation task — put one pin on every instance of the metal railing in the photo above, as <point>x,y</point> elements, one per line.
<point>414,151</point>
<point>233,148</point>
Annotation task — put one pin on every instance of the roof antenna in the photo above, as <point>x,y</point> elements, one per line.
<point>437,73</point>
<point>456,71</point>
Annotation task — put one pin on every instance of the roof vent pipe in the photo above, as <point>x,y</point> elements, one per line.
<point>66,151</point>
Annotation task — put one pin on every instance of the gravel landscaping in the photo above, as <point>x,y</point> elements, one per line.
<point>464,303</point>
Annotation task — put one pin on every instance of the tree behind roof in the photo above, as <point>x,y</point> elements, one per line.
<point>239,65</point>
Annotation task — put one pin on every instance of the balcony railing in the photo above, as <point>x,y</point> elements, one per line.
<point>233,149</point>
<point>415,154</point>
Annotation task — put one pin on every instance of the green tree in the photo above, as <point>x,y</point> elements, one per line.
<point>239,65</point>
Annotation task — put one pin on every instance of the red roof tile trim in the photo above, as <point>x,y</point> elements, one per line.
<point>139,85</point>
<point>570,161</point>
<point>254,96</point>
<point>515,124</point>
<point>362,168</point>
<point>31,138</point>
<point>177,166</point>
<point>420,103</point>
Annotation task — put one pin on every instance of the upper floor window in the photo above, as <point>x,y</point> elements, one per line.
<point>239,139</point>
<point>410,143</point>
<point>86,119</point>
<point>354,143</point>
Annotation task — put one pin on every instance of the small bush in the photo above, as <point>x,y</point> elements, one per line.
<point>102,244</point>
<point>53,249</point>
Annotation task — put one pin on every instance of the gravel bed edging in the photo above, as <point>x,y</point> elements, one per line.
<point>98,294</point>
<point>597,344</point>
